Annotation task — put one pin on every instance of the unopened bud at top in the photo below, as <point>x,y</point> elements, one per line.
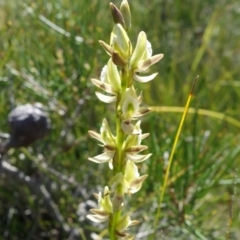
<point>126,13</point>
<point>117,15</point>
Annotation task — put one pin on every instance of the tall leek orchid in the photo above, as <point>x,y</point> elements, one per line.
<point>123,149</point>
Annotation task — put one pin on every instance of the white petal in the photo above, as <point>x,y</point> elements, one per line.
<point>136,184</point>
<point>149,49</point>
<point>145,135</point>
<point>146,63</point>
<point>104,86</point>
<point>103,75</point>
<point>105,98</point>
<point>127,127</point>
<point>135,149</point>
<point>99,211</point>
<point>114,77</point>
<point>97,218</point>
<point>106,134</point>
<point>136,131</point>
<point>102,158</point>
<point>140,49</point>
<point>140,98</point>
<point>138,158</point>
<point>142,111</point>
<point>106,47</point>
<point>130,103</point>
<point>131,172</point>
<point>110,165</point>
<point>144,79</point>
<point>96,136</point>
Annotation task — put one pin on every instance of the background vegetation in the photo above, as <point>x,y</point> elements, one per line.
<point>42,63</point>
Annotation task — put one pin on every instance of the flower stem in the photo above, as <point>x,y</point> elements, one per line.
<point>118,162</point>
<point>115,218</point>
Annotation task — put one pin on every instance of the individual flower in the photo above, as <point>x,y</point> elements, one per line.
<point>133,145</point>
<point>120,48</point>
<point>122,225</point>
<point>142,58</point>
<point>110,82</point>
<point>133,178</point>
<point>130,104</point>
<point>130,182</point>
<point>104,211</point>
<point>108,142</point>
<point>131,109</point>
<point>120,42</point>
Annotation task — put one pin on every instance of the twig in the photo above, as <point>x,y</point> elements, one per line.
<point>58,29</point>
<point>36,187</point>
<point>42,164</point>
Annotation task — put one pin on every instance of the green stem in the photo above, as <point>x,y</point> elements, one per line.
<point>118,161</point>
<point>115,217</point>
<point>117,166</point>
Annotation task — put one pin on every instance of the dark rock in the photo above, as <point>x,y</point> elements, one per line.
<point>28,123</point>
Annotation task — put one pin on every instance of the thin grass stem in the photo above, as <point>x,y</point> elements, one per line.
<point>204,112</point>
<point>163,189</point>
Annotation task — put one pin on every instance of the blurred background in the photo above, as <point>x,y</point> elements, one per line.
<point>49,51</point>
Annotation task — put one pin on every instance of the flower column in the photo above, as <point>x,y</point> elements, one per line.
<point>121,151</point>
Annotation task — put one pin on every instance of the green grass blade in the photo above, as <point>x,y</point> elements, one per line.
<point>162,190</point>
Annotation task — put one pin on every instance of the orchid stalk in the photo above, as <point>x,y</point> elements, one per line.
<point>122,151</point>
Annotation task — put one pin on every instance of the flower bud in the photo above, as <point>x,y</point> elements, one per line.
<point>120,42</point>
<point>117,15</point>
<point>125,10</point>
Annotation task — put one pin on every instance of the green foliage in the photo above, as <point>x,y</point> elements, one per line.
<point>37,63</point>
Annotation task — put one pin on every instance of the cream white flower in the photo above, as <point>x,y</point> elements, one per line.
<point>104,211</point>
<point>120,48</point>
<point>108,142</point>
<point>130,105</point>
<point>122,225</point>
<point>142,59</point>
<point>133,145</point>
<point>131,109</point>
<point>133,178</point>
<point>120,42</point>
<point>110,82</point>
<point>130,182</point>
